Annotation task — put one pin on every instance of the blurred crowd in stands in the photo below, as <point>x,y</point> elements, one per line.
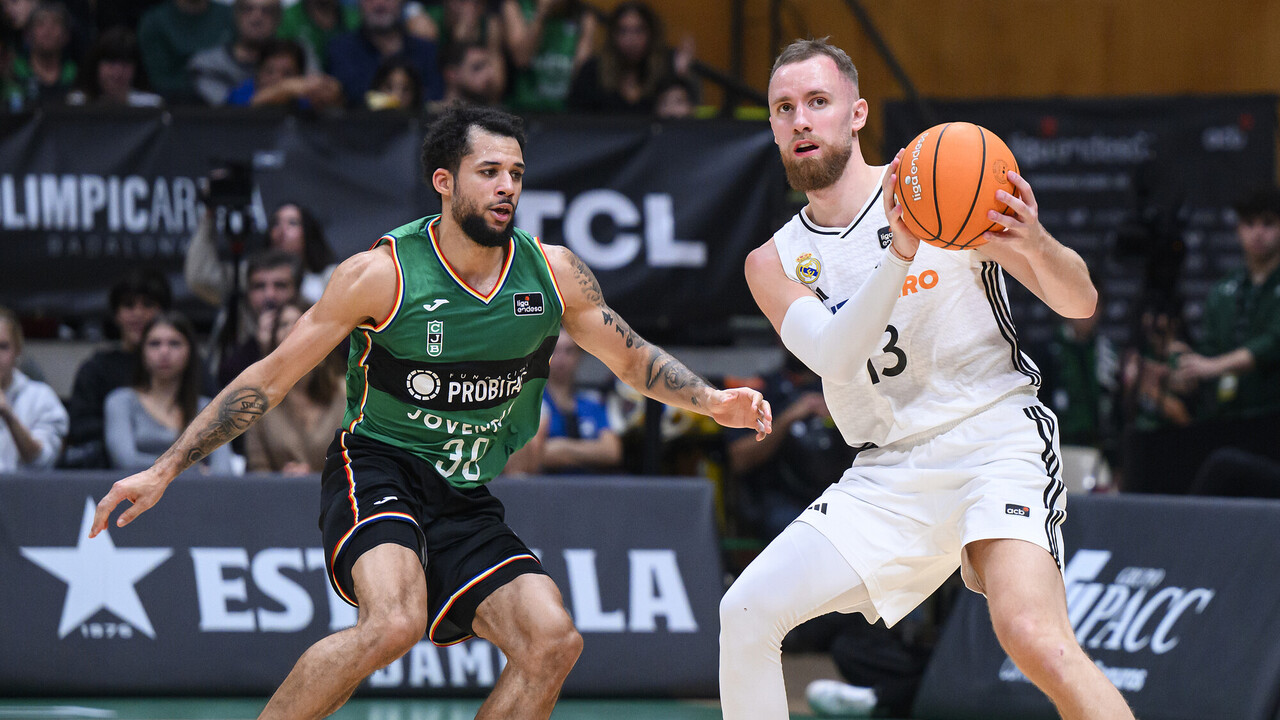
<point>530,56</point>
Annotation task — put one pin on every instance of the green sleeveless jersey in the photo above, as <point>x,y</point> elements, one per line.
<point>453,375</point>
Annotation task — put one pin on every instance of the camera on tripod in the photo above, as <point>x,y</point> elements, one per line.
<point>231,184</point>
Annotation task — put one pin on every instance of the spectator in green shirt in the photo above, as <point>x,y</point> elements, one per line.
<point>1238,358</point>
<point>452,22</point>
<point>1081,371</point>
<point>45,71</point>
<point>547,42</point>
<point>315,22</point>
<point>171,33</point>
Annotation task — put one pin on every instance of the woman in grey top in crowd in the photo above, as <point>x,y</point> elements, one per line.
<point>142,421</point>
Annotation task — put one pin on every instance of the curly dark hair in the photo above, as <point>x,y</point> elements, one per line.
<point>448,138</point>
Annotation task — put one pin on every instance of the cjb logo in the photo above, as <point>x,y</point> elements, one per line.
<point>435,338</point>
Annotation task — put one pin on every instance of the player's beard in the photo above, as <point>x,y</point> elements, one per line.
<point>809,174</point>
<point>472,221</point>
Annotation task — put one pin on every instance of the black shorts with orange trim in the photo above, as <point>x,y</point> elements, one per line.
<point>373,493</point>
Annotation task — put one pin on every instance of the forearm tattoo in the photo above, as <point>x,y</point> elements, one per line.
<point>662,367</point>
<point>242,408</point>
<point>673,374</point>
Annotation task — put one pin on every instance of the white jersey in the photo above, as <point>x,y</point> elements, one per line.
<point>950,349</point>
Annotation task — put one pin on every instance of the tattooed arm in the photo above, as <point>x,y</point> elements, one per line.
<point>361,289</point>
<point>599,330</point>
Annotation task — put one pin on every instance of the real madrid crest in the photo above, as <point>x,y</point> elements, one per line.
<point>808,268</point>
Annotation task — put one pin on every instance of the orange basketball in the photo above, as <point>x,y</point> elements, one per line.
<point>947,181</point>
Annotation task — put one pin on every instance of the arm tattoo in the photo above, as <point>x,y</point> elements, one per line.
<point>240,410</point>
<point>587,281</point>
<point>594,295</point>
<point>631,337</point>
<point>662,366</point>
<point>673,374</point>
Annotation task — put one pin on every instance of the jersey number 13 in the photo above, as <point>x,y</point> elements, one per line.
<point>892,348</point>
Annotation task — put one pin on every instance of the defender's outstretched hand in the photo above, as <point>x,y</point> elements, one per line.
<point>1023,219</point>
<point>742,407</point>
<point>142,489</point>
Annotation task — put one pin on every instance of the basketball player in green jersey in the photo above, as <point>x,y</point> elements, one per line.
<point>452,319</point>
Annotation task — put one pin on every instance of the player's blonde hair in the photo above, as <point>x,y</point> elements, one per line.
<point>801,50</point>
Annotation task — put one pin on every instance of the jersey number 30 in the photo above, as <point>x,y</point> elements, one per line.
<point>457,446</point>
<point>892,348</point>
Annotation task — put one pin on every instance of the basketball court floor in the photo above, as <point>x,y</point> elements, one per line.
<point>248,708</point>
<point>798,669</point>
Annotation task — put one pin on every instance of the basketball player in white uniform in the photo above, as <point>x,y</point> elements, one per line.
<point>921,368</point>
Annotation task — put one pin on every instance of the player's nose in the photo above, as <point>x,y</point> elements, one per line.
<point>801,123</point>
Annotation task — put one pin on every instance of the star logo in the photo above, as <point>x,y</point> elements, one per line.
<point>99,576</point>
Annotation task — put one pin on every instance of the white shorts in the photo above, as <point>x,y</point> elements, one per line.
<point>902,515</point>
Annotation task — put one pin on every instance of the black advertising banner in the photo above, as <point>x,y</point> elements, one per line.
<point>220,588</point>
<point>664,213</point>
<point>1140,187</point>
<point>1172,597</point>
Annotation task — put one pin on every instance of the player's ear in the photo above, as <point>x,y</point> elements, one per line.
<point>442,181</point>
<point>859,114</point>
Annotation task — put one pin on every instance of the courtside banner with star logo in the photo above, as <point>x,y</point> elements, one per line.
<point>222,586</point>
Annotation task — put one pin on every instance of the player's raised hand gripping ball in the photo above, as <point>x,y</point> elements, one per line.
<point>947,182</point>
